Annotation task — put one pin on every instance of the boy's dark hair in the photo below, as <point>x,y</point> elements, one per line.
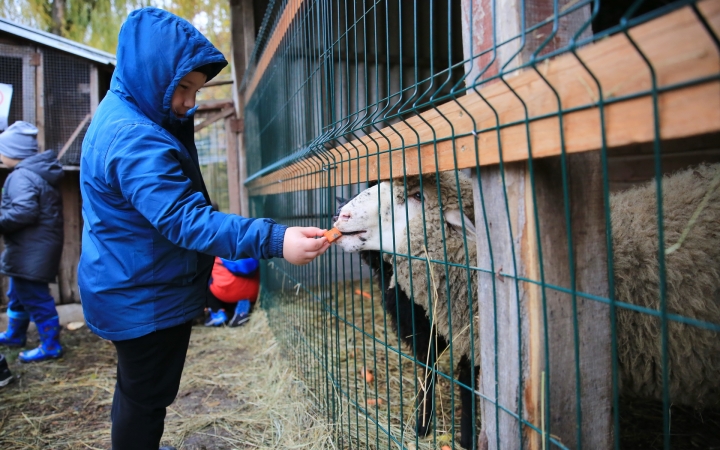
<point>210,70</point>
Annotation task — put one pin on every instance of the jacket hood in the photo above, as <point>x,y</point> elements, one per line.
<point>44,164</point>
<point>155,50</point>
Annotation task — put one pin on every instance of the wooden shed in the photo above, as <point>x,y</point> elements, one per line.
<point>57,85</point>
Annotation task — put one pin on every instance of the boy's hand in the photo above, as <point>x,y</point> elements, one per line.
<point>300,246</point>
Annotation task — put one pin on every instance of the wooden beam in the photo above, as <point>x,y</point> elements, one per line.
<point>215,104</point>
<point>74,136</point>
<point>94,88</point>
<point>281,29</point>
<point>544,365</point>
<point>243,39</point>
<point>531,326</point>
<point>233,175</point>
<point>218,82</point>
<point>677,44</point>
<point>40,99</point>
<point>242,172</point>
<point>72,238</point>
<point>227,112</point>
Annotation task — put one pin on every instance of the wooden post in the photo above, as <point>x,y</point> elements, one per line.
<point>243,41</point>
<point>527,326</point>
<point>40,99</point>
<point>67,277</point>
<point>94,89</point>
<point>231,139</point>
<point>242,172</point>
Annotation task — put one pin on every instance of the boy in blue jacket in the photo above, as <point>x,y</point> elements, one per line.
<point>149,228</point>
<point>31,223</point>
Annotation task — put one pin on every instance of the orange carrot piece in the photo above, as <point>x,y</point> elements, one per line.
<point>367,374</point>
<point>363,293</point>
<point>333,235</point>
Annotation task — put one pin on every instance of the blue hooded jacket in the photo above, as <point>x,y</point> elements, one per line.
<point>150,234</point>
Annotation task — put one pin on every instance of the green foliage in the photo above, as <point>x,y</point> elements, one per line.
<point>97,22</point>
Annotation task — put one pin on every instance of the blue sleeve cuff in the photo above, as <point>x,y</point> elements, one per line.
<point>242,267</point>
<point>277,238</point>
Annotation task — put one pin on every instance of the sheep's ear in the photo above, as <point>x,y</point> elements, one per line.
<point>454,218</point>
<point>339,201</point>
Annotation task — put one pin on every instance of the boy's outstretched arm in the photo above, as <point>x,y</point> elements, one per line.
<point>300,246</point>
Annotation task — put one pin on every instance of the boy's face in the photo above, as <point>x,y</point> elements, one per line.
<point>183,99</point>
<point>9,162</point>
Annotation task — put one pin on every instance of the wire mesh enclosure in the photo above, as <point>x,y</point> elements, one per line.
<point>56,85</point>
<point>528,198</point>
<point>212,156</point>
<point>68,95</point>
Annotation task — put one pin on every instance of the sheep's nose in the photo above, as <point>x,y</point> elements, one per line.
<point>344,216</point>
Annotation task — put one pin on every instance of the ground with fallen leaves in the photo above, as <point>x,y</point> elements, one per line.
<point>236,392</point>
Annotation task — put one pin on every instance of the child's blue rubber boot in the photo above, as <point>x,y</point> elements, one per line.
<point>16,333</point>
<point>216,318</point>
<point>49,342</point>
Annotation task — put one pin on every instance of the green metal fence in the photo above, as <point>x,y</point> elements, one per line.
<point>543,269</point>
<point>212,155</point>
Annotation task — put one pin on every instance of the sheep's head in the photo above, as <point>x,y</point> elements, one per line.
<point>378,217</point>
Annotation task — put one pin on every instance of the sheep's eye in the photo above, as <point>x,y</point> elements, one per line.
<point>418,196</point>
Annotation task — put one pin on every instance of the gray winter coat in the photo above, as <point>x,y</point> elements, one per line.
<point>31,219</point>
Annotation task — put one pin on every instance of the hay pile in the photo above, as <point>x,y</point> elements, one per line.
<point>237,391</point>
<point>299,387</point>
<point>331,334</point>
<point>331,341</point>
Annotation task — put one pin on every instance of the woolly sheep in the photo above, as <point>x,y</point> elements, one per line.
<point>692,271</point>
<point>692,280</point>
<point>358,220</point>
<point>413,327</point>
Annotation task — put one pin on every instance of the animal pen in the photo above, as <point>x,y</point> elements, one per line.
<point>543,269</point>
<point>56,85</point>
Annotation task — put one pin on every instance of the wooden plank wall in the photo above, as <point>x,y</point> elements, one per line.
<point>529,325</point>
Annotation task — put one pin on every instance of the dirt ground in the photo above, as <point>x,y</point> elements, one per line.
<point>236,392</point>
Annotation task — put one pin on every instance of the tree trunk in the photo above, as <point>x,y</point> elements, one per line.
<point>58,17</point>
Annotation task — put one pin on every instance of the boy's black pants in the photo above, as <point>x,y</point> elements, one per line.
<point>148,379</point>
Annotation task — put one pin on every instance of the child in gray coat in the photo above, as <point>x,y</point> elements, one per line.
<point>32,226</point>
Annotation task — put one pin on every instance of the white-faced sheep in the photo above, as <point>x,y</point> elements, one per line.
<point>413,327</point>
<point>363,231</point>
<point>692,272</point>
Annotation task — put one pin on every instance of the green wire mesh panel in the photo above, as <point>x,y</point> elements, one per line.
<point>528,193</point>
<point>212,156</point>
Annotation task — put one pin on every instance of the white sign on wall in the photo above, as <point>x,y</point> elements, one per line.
<point>6,91</point>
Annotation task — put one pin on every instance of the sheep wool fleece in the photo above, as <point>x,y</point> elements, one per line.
<point>692,274</point>
<point>441,305</point>
<point>149,228</point>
